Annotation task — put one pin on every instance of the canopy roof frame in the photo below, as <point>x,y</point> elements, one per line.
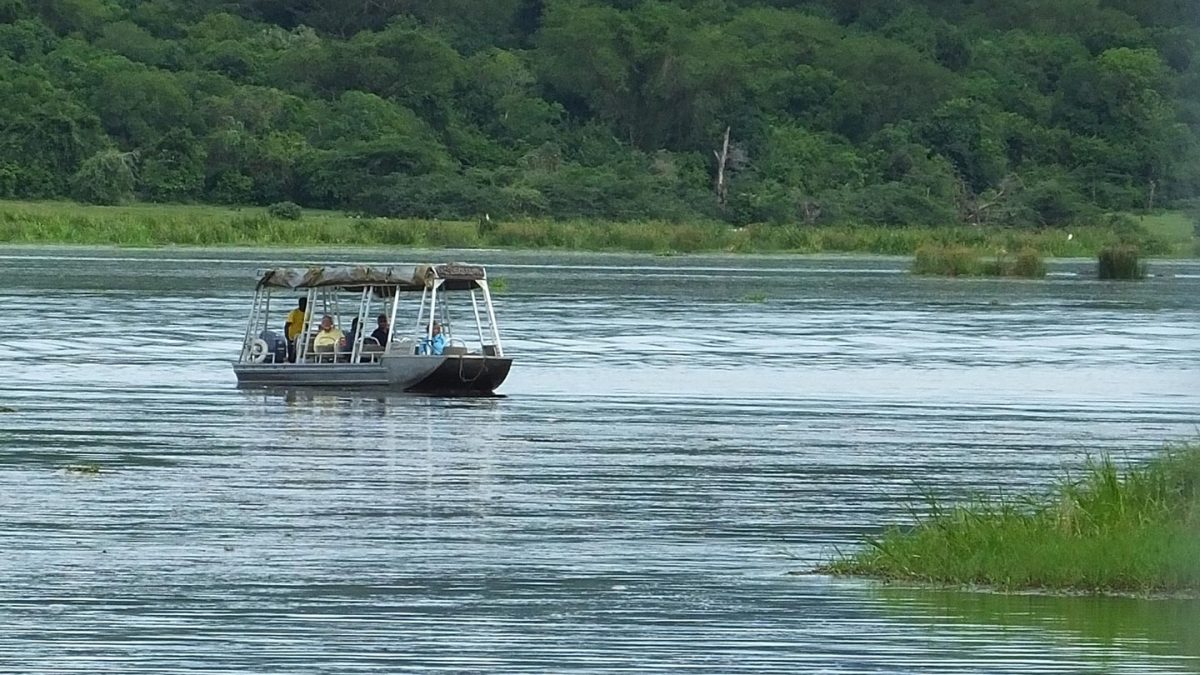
<point>456,276</point>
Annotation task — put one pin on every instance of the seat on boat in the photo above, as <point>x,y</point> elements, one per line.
<point>404,345</point>
<point>454,350</point>
<point>371,350</point>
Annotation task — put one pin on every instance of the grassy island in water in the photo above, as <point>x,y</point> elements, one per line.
<point>146,225</point>
<point>1107,531</point>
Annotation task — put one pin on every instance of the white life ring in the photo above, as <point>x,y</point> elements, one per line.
<point>258,350</point>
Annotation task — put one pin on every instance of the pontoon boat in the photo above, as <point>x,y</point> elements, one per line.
<point>429,357</point>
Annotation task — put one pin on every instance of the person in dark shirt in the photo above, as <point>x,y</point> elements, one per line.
<point>381,331</point>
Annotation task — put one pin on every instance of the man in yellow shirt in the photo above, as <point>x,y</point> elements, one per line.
<point>294,326</point>
<point>330,337</point>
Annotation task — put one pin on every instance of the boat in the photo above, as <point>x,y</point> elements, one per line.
<point>426,357</point>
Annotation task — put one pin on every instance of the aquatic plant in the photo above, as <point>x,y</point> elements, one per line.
<point>957,260</point>
<point>85,469</point>
<point>1120,261</point>
<point>950,261</point>
<point>1106,531</point>
<point>1026,263</point>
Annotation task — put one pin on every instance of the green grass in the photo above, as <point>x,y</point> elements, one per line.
<point>149,225</point>
<point>1136,531</point>
<point>1175,229</point>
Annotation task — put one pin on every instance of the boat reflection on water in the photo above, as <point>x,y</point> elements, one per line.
<point>360,397</point>
<point>420,459</point>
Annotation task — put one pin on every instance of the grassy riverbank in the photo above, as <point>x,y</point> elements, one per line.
<point>1136,531</point>
<point>147,225</point>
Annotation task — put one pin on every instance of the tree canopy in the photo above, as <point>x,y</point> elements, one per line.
<point>879,111</point>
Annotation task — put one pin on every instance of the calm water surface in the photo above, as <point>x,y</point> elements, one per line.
<point>677,435</point>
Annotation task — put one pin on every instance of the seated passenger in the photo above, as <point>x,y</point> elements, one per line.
<point>329,338</point>
<point>436,343</point>
<point>381,330</point>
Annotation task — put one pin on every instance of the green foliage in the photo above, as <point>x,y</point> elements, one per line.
<point>11,10</point>
<point>1120,261</point>
<point>104,178</point>
<point>173,169</point>
<point>1017,114</point>
<point>285,210</point>
<point>1112,531</point>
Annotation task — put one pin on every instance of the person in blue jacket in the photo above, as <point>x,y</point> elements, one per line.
<point>436,343</point>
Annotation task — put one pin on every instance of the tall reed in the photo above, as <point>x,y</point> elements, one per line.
<point>1120,261</point>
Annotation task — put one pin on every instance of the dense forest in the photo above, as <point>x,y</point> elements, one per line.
<point>1022,112</point>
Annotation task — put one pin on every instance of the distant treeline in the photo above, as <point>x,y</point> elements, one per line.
<point>1026,112</point>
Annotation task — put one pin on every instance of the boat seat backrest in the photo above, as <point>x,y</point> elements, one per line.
<point>324,353</point>
<point>404,345</point>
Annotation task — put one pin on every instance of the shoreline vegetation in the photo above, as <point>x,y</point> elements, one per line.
<point>1004,251</point>
<point>1103,532</point>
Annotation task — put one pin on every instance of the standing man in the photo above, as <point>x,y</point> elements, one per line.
<point>297,319</point>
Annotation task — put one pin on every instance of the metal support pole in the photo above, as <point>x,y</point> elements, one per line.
<point>491,313</point>
<point>478,321</point>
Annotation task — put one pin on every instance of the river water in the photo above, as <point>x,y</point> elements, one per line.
<point>677,436</point>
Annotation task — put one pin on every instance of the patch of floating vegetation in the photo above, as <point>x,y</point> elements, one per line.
<point>84,469</point>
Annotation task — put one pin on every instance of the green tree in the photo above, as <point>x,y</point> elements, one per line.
<point>970,135</point>
<point>138,106</point>
<point>173,169</point>
<point>104,178</point>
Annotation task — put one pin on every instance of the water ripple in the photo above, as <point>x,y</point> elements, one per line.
<point>668,449</point>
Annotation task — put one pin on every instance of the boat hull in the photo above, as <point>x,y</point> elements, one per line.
<point>445,375</point>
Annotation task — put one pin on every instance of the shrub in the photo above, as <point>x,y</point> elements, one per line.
<point>285,210</point>
<point>1120,261</point>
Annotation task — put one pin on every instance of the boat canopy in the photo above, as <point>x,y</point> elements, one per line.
<point>457,276</point>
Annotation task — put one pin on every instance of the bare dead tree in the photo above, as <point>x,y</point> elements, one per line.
<point>812,211</point>
<point>975,207</point>
<point>721,185</point>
